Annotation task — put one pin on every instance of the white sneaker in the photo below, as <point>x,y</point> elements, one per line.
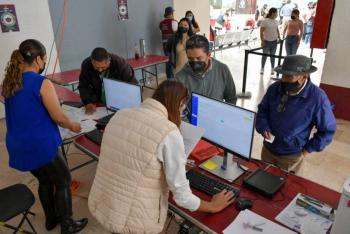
<point>262,71</point>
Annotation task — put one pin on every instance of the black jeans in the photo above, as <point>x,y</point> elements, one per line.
<point>54,188</point>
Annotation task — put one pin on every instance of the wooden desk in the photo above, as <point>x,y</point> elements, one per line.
<point>62,93</point>
<point>268,208</point>
<point>145,62</point>
<point>66,78</point>
<point>71,77</point>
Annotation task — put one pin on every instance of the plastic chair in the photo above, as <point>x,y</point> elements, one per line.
<point>15,200</point>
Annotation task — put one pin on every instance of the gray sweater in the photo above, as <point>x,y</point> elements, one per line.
<point>216,82</point>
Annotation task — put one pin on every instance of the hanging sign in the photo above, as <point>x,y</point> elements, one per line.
<point>8,18</point>
<point>123,13</point>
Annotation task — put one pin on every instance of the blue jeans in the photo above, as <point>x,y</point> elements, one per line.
<point>269,48</point>
<point>308,33</point>
<point>292,44</point>
<point>168,66</point>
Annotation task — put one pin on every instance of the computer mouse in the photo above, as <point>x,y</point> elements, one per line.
<point>243,204</point>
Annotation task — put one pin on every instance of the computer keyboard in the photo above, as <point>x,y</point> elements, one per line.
<point>95,136</point>
<point>106,119</point>
<point>208,185</point>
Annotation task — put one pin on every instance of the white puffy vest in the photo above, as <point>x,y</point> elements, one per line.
<point>129,193</point>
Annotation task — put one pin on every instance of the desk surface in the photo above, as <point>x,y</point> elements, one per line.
<point>147,61</point>
<point>269,208</point>
<point>71,77</point>
<point>65,78</point>
<point>62,93</point>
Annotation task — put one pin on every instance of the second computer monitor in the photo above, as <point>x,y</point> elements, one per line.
<point>226,125</point>
<point>120,95</point>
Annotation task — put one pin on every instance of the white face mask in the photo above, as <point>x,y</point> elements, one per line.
<point>190,18</point>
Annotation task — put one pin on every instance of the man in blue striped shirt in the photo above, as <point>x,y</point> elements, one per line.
<point>290,109</point>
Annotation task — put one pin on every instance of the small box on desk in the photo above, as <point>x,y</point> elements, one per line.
<point>205,150</point>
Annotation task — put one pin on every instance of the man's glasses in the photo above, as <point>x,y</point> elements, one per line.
<point>282,106</point>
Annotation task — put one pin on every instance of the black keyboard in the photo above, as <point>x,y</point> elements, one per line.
<point>95,136</point>
<point>208,185</point>
<point>106,119</point>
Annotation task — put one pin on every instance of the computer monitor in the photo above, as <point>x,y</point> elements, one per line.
<point>229,127</point>
<point>120,95</point>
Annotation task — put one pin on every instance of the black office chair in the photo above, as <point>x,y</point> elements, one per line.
<point>15,200</point>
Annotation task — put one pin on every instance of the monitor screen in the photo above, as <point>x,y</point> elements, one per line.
<point>226,125</point>
<point>120,95</point>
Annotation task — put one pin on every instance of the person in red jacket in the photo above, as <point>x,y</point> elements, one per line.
<point>168,26</point>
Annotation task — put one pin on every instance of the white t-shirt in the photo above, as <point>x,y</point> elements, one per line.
<point>270,32</point>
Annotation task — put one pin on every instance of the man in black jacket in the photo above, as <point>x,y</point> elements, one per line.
<point>99,65</point>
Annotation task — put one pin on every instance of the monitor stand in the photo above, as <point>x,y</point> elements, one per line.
<point>226,168</point>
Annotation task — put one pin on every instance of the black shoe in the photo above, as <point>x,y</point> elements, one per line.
<point>69,226</point>
<point>51,223</point>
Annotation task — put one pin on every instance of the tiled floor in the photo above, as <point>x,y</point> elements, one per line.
<point>329,168</point>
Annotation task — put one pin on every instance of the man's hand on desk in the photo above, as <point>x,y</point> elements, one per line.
<point>218,202</point>
<point>75,127</point>
<point>90,109</point>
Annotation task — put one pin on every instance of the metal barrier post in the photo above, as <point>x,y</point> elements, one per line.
<point>245,94</point>
<point>279,58</point>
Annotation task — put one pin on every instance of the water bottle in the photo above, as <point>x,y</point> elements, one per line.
<point>136,51</point>
<point>142,48</point>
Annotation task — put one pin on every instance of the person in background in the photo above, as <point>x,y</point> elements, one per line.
<point>289,111</point>
<point>33,139</point>
<point>309,18</point>
<point>168,26</point>
<point>269,36</point>
<point>142,158</point>
<point>257,13</point>
<point>99,65</point>
<point>264,11</point>
<point>294,30</point>
<point>177,45</point>
<point>195,27</point>
<point>286,12</point>
<point>204,74</point>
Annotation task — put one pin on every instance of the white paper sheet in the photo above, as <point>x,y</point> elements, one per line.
<point>78,114</point>
<point>245,219</point>
<point>191,135</point>
<point>86,126</point>
<point>309,223</point>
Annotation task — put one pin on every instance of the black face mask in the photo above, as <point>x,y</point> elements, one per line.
<point>293,17</point>
<point>41,70</point>
<point>182,30</point>
<point>290,87</point>
<point>197,66</point>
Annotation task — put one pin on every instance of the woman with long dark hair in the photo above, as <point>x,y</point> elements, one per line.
<point>190,16</point>
<point>142,158</point>
<point>33,139</point>
<point>177,45</point>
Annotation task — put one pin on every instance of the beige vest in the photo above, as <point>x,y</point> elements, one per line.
<point>129,193</point>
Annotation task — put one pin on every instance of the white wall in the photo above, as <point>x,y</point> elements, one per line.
<point>200,9</point>
<point>336,70</point>
<point>34,22</point>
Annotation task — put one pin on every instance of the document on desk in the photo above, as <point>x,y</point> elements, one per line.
<point>248,222</point>
<point>303,220</point>
<point>78,114</point>
<point>191,135</point>
<point>86,126</point>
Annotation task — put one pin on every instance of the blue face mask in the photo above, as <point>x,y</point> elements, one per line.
<point>190,18</point>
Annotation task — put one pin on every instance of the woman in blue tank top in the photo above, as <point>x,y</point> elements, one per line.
<point>32,138</point>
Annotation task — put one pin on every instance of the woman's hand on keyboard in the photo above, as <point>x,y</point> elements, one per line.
<point>221,200</point>
<point>218,202</point>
